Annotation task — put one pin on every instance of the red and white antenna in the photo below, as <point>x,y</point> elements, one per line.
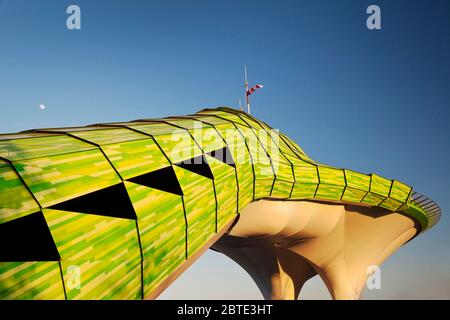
<point>247,102</point>
<point>248,91</point>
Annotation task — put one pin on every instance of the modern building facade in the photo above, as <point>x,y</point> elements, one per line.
<point>119,210</point>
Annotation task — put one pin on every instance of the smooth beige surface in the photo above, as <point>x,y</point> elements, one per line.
<point>282,244</point>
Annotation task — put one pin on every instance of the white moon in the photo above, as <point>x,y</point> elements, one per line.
<point>42,106</point>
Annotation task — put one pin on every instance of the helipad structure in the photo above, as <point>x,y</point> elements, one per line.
<point>119,210</point>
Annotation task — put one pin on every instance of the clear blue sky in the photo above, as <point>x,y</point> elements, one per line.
<point>373,101</point>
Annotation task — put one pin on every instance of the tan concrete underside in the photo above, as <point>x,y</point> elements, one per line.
<point>282,244</point>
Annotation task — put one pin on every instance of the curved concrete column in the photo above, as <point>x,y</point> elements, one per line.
<point>279,273</point>
<point>282,244</point>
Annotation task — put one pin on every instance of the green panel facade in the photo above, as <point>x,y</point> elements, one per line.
<point>135,158</point>
<point>116,209</point>
<point>15,200</point>
<point>226,190</point>
<point>20,149</point>
<point>200,207</point>
<point>54,179</point>
<point>162,231</point>
<point>106,251</point>
<point>31,281</point>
